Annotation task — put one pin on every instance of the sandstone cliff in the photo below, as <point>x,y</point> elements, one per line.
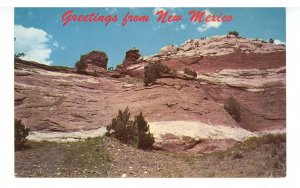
<point>50,99</point>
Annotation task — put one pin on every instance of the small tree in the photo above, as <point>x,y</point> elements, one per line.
<point>21,132</point>
<point>134,132</point>
<point>235,33</point>
<point>153,71</point>
<point>122,128</point>
<point>145,139</point>
<point>18,55</point>
<point>233,108</point>
<point>80,66</point>
<point>190,72</point>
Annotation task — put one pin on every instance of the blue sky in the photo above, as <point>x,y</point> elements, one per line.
<point>40,33</point>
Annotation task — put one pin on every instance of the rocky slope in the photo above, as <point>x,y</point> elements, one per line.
<point>217,53</point>
<point>250,70</point>
<point>57,100</point>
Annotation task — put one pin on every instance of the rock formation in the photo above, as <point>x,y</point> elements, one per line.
<point>216,46</point>
<point>96,58</point>
<point>96,65</point>
<point>252,71</point>
<point>132,56</point>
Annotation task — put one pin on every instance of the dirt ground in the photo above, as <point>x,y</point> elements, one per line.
<point>107,157</point>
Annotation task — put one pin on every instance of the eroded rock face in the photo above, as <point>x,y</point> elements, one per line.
<point>261,110</point>
<point>213,54</point>
<point>53,101</point>
<point>216,46</point>
<point>133,60</point>
<point>247,79</point>
<point>132,56</point>
<point>253,72</point>
<point>95,70</point>
<point>96,58</point>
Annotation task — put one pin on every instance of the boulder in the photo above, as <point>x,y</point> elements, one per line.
<point>132,56</point>
<point>96,58</point>
<point>133,60</point>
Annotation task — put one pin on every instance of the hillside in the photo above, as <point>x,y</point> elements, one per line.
<point>186,115</point>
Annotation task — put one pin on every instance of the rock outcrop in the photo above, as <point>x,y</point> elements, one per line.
<point>96,58</point>
<point>50,99</point>
<point>132,56</point>
<point>96,65</point>
<point>213,54</point>
<point>133,59</point>
<point>247,79</point>
<point>216,46</point>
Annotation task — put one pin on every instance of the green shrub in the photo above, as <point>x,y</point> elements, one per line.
<point>134,132</point>
<point>21,132</point>
<point>271,40</point>
<point>233,108</point>
<point>145,139</point>
<point>153,71</point>
<point>80,66</point>
<point>235,33</point>
<point>274,139</point>
<point>18,55</point>
<point>122,128</point>
<point>237,155</point>
<point>190,72</point>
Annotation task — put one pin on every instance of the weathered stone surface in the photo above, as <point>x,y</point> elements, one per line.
<point>51,99</point>
<point>247,79</point>
<point>96,58</point>
<point>76,102</point>
<point>216,46</point>
<point>131,64</point>
<point>215,54</point>
<point>132,56</point>
<point>192,145</point>
<point>95,70</point>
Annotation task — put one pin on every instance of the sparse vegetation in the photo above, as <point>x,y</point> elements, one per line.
<point>131,132</point>
<point>83,155</point>
<point>18,55</point>
<point>263,156</point>
<point>271,40</point>
<point>267,139</point>
<point>237,155</point>
<point>235,33</point>
<point>21,132</point>
<point>72,159</point>
<point>233,108</point>
<point>153,71</point>
<point>190,72</point>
